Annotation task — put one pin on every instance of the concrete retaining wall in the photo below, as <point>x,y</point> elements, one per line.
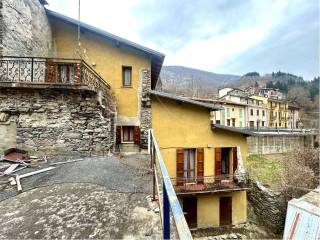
<point>278,144</point>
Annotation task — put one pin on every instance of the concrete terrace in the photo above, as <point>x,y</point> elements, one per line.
<point>99,197</point>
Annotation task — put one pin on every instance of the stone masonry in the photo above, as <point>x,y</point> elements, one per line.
<point>267,206</point>
<point>24,29</point>
<point>57,120</point>
<point>145,112</point>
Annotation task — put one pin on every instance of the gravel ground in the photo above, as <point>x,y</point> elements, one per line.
<point>99,197</point>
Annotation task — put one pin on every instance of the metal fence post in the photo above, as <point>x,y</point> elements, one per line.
<point>166,214</point>
<point>154,175</point>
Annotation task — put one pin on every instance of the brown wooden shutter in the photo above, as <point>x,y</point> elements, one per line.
<point>118,135</point>
<point>200,163</point>
<point>180,169</point>
<point>136,135</point>
<point>217,163</point>
<point>234,159</point>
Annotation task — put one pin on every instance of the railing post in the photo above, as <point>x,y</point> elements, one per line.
<point>32,69</point>
<point>166,214</point>
<point>154,174</point>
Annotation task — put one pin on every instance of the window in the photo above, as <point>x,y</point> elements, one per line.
<point>127,133</point>
<point>262,123</point>
<point>217,121</point>
<point>240,123</point>
<point>232,109</point>
<point>126,76</point>
<point>257,112</point>
<point>251,124</point>
<point>263,114</point>
<point>251,112</point>
<point>189,163</point>
<point>228,112</point>
<point>233,122</point>
<point>241,113</point>
<point>228,122</point>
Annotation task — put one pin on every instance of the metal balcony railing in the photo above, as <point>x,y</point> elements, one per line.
<point>54,71</point>
<point>211,183</point>
<point>164,192</point>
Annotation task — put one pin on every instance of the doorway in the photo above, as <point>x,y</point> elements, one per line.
<point>225,211</point>
<point>190,211</point>
<point>225,160</point>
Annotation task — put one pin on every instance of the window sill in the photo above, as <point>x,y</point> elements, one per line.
<point>126,87</point>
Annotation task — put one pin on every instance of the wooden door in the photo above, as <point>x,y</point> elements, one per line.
<point>190,211</point>
<point>225,211</point>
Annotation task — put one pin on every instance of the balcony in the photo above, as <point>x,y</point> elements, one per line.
<point>220,183</point>
<point>37,72</point>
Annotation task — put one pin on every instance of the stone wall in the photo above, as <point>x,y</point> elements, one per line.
<point>267,206</point>
<point>278,144</point>
<point>56,121</point>
<point>24,29</point>
<point>145,111</point>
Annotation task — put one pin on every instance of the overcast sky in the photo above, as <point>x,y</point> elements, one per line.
<point>222,36</point>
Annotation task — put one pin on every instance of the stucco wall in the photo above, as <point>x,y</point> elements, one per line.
<point>186,126</point>
<point>109,59</point>
<point>25,29</point>
<point>208,208</point>
<point>55,121</point>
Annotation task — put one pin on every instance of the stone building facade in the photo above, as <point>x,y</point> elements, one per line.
<point>55,121</point>
<point>145,111</point>
<point>24,29</point>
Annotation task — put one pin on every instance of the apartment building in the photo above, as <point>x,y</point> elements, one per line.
<point>277,111</point>
<point>253,113</point>
<point>204,162</point>
<point>293,116</point>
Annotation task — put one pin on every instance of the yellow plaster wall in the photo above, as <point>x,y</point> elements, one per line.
<point>208,208</point>
<point>109,60</point>
<point>186,126</point>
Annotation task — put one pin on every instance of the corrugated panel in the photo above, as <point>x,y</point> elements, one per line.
<point>301,223</point>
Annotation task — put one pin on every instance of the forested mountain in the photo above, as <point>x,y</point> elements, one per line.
<point>193,82</point>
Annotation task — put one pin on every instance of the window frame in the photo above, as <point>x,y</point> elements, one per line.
<point>122,134</point>
<point>189,170</point>
<point>124,68</point>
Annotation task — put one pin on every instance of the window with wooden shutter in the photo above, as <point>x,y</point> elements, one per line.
<point>217,162</point>
<point>180,164</point>
<point>118,135</point>
<point>136,133</point>
<point>234,159</point>
<point>200,165</point>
